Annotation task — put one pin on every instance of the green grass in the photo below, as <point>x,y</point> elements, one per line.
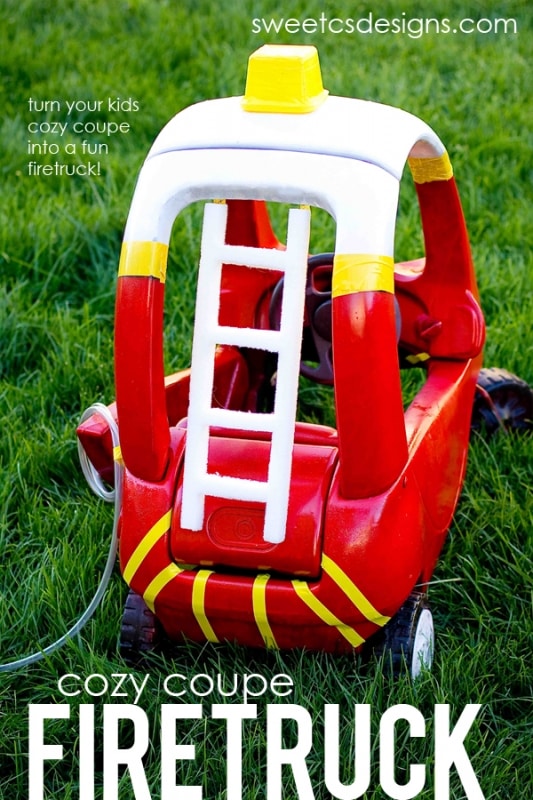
<point>59,245</point>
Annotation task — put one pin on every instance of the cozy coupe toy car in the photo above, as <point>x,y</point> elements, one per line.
<point>239,522</point>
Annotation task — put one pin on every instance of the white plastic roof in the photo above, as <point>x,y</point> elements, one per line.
<point>341,126</point>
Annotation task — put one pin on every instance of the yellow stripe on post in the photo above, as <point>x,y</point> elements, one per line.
<point>145,545</point>
<point>362,273</point>
<point>198,604</point>
<point>352,592</point>
<point>158,584</point>
<point>304,593</point>
<point>427,170</point>
<point>143,260</point>
<point>260,612</point>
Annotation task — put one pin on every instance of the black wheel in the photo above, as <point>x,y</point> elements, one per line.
<point>408,639</point>
<point>140,632</point>
<point>502,402</point>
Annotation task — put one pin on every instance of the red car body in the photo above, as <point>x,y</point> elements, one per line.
<point>370,500</point>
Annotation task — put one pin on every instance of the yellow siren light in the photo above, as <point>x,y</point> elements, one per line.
<point>284,79</point>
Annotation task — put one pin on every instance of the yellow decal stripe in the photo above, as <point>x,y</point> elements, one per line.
<point>427,170</point>
<point>304,593</point>
<point>362,273</point>
<point>417,358</point>
<point>260,612</point>
<point>117,455</point>
<point>352,592</point>
<point>198,604</point>
<point>143,259</point>
<point>145,545</point>
<point>159,583</point>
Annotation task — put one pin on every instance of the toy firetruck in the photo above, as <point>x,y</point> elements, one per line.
<point>239,522</point>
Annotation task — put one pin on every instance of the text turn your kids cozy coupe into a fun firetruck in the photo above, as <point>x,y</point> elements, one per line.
<point>237,521</point>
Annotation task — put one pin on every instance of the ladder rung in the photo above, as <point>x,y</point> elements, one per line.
<point>256,338</point>
<point>241,420</point>
<point>233,488</point>
<point>254,257</point>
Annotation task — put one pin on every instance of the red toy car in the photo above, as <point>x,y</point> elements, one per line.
<point>237,521</point>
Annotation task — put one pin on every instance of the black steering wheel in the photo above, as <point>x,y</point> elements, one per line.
<point>316,344</point>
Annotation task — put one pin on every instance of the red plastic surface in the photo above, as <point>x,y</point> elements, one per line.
<point>368,395</point>
<point>233,530</point>
<point>370,503</point>
<point>440,305</point>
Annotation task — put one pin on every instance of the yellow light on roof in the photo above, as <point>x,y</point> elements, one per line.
<point>284,79</point>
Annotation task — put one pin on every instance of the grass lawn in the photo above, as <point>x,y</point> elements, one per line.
<point>59,244</point>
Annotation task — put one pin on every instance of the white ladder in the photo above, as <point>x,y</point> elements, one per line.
<point>197,481</point>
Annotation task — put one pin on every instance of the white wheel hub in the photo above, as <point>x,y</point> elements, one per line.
<point>423,644</point>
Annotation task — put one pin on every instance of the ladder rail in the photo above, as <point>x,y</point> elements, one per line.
<point>288,370</point>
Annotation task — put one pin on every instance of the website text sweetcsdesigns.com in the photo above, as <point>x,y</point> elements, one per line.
<point>372,23</point>
<point>98,709</point>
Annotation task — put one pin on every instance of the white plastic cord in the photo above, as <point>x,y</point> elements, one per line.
<point>110,496</point>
